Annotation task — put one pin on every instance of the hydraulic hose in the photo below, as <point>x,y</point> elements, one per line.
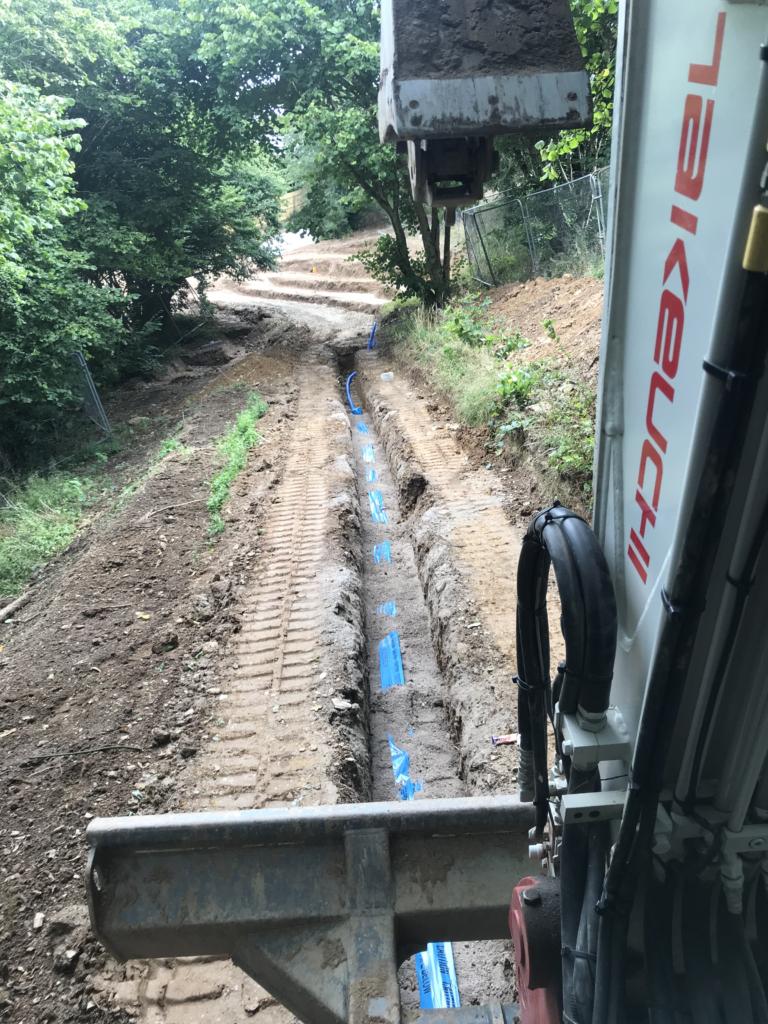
<point>563,540</point>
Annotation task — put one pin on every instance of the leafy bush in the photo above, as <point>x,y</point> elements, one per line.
<point>466,374</point>
<point>234,446</point>
<point>47,310</point>
<point>568,435</point>
<point>401,271</point>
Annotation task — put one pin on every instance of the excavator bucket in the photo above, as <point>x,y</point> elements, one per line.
<point>456,74</point>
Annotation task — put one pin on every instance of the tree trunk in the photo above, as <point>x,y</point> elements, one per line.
<point>447,250</point>
<point>432,255</point>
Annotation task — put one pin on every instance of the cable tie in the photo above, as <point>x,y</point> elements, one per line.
<point>521,684</point>
<point>722,373</point>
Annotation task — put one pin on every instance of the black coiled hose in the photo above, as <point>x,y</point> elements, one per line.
<point>560,538</point>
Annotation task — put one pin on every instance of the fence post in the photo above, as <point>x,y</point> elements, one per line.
<point>597,198</point>
<point>465,220</point>
<point>92,406</point>
<point>491,274</point>
<point>530,241</point>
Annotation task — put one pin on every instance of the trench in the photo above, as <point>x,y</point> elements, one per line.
<point>413,727</point>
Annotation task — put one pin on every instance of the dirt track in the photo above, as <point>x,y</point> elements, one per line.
<point>156,671</point>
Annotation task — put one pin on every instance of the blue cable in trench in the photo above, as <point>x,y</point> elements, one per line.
<point>435,968</point>
<point>357,410</point>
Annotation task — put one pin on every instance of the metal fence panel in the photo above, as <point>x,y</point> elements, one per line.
<point>552,232</point>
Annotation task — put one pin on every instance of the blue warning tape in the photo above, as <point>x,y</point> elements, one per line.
<point>372,337</point>
<point>401,769</point>
<point>357,410</point>
<point>436,975</point>
<point>376,501</point>
<point>382,552</point>
<point>391,661</point>
<point>435,967</point>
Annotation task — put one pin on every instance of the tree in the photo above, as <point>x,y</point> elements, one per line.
<point>154,174</point>
<point>165,151</point>
<point>318,63</point>
<point>47,310</point>
<point>580,151</point>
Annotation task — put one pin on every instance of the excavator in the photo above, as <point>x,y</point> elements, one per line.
<point>631,870</point>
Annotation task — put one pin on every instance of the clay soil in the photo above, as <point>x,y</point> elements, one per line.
<point>156,670</point>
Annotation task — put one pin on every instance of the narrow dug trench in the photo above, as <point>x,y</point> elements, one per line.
<point>372,659</point>
<point>413,725</point>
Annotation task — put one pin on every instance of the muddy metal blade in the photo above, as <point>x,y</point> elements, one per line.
<point>319,905</point>
<point>456,74</point>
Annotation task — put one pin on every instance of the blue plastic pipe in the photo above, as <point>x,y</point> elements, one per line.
<point>356,410</point>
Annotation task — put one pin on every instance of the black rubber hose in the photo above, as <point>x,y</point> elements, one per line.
<point>560,538</point>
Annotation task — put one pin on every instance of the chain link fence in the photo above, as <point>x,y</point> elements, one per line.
<point>556,231</point>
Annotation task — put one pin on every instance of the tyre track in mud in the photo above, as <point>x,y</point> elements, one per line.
<point>276,653</point>
<point>467,553</point>
<point>310,629</point>
<point>413,742</point>
<point>273,743</point>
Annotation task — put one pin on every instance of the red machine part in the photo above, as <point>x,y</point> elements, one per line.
<point>534,924</point>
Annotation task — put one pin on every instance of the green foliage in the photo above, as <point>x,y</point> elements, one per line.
<point>48,310</point>
<point>550,330</point>
<point>234,446</point>
<point>38,520</point>
<point>568,434</point>
<point>518,384</point>
<point>406,275</point>
<point>328,210</point>
<point>319,64</point>
<point>466,374</point>
<point>148,172</point>
<point>579,151</point>
<point>530,403</point>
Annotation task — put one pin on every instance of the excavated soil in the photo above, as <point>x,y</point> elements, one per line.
<point>575,307</point>
<point>483,37</point>
<point>137,677</point>
<point>154,670</point>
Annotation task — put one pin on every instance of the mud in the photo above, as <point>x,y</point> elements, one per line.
<point>419,717</point>
<point>482,37</point>
<point>478,669</point>
<point>154,670</point>
<point>121,682</point>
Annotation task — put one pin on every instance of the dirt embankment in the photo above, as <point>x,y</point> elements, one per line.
<point>121,681</point>
<point>573,306</point>
<point>154,670</point>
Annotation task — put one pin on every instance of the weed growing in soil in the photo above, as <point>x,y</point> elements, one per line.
<point>234,446</point>
<point>38,519</point>
<point>533,404</point>
<point>466,373</point>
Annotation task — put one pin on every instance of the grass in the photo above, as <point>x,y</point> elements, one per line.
<point>530,404</point>
<point>466,373</point>
<point>234,446</point>
<point>39,518</point>
<point>41,515</point>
